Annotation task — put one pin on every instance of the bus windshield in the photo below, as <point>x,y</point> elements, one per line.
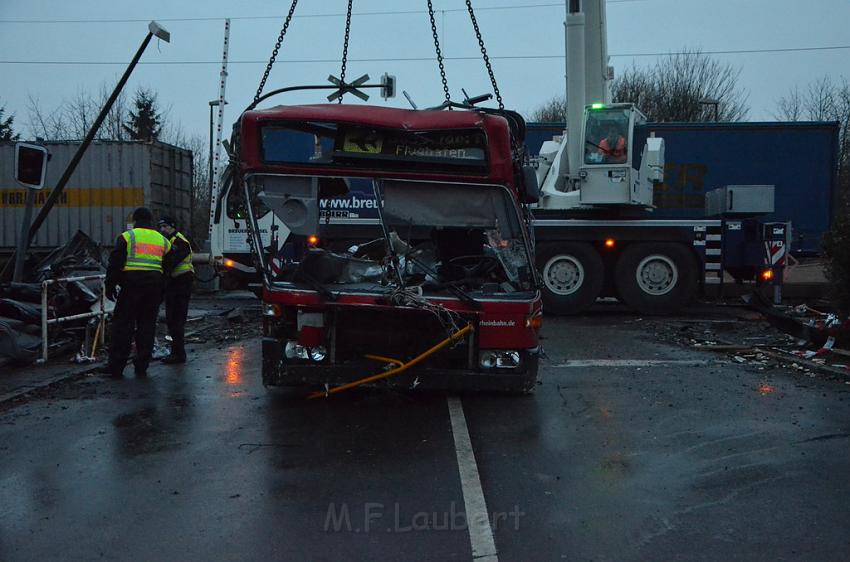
<point>441,236</point>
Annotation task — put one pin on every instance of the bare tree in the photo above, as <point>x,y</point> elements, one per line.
<point>113,126</point>
<point>825,100</point>
<point>790,106</point>
<point>73,117</point>
<point>554,110</point>
<point>687,86</point>
<point>42,123</point>
<point>79,113</point>
<point>679,87</point>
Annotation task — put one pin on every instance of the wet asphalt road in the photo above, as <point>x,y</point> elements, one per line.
<point>643,451</point>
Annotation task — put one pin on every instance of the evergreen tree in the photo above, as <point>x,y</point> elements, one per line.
<point>145,123</point>
<point>7,132</point>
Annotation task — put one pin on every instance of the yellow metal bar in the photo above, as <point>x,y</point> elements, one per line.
<point>384,359</point>
<point>403,367</point>
<point>96,337</point>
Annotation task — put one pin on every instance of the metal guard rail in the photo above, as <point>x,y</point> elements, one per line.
<point>45,321</point>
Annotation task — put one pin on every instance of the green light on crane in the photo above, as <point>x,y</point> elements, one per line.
<point>597,106</point>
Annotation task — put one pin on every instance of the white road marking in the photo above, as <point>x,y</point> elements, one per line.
<point>635,363</point>
<point>477,516</point>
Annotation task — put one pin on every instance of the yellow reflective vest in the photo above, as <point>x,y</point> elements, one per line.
<point>184,266</point>
<point>146,249</point>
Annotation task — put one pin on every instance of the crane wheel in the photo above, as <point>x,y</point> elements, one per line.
<point>572,274</point>
<point>656,278</point>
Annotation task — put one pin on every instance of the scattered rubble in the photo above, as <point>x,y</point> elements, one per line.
<point>21,303</point>
<point>761,339</point>
<point>79,340</point>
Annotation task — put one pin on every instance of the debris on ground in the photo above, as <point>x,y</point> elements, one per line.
<point>217,325</point>
<point>805,340</point>
<point>16,345</point>
<point>21,303</point>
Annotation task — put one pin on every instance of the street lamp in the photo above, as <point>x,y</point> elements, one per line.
<point>213,103</point>
<point>713,102</point>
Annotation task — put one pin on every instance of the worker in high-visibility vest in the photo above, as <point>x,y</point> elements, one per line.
<point>612,148</point>
<point>178,288</point>
<point>136,265</point>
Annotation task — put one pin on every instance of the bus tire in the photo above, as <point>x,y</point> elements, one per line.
<point>656,278</point>
<point>572,275</point>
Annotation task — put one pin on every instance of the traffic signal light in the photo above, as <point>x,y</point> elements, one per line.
<point>387,86</point>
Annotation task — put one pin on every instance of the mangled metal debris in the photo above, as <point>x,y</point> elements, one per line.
<point>59,298</point>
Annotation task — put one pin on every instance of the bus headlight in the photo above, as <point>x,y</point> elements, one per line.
<point>507,359</point>
<point>488,360</point>
<point>295,351</point>
<point>271,309</point>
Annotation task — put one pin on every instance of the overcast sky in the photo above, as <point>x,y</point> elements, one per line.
<point>185,72</point>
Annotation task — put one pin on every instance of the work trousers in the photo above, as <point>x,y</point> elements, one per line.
<point>135,314</point>
<point>177,295</point>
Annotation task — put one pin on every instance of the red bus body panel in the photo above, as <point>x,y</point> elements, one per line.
<point>501,323</point>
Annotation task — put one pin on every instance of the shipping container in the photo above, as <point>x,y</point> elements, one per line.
<point>799,159</point>
<point>111,180</point>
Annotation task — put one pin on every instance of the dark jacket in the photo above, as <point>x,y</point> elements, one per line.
<point>179,250</point>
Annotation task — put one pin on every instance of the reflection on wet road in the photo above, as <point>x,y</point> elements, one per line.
<point>644,451</point>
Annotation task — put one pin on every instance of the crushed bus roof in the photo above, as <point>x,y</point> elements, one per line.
<point>499,166</point>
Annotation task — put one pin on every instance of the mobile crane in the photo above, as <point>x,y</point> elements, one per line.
<point>593,225</point>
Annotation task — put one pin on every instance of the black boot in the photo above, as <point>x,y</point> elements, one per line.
<point>111,370</point>
<point>141,369</point>
<point>174,358</point>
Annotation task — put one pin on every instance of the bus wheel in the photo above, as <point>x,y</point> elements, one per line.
<point>656,278</point>
<point>572,274</point>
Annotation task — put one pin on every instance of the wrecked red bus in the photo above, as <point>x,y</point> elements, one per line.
<point>439,291</point>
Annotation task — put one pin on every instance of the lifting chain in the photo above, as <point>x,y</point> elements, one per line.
<point>274,52</point>
<point>483,51</point>
<point>439,52</point>
<point>345,48</point>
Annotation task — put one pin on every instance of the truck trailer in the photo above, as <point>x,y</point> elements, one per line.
<point>112,179</point>
<point>798,158</point>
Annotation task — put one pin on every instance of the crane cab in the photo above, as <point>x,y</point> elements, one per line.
<point>612,170</point>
